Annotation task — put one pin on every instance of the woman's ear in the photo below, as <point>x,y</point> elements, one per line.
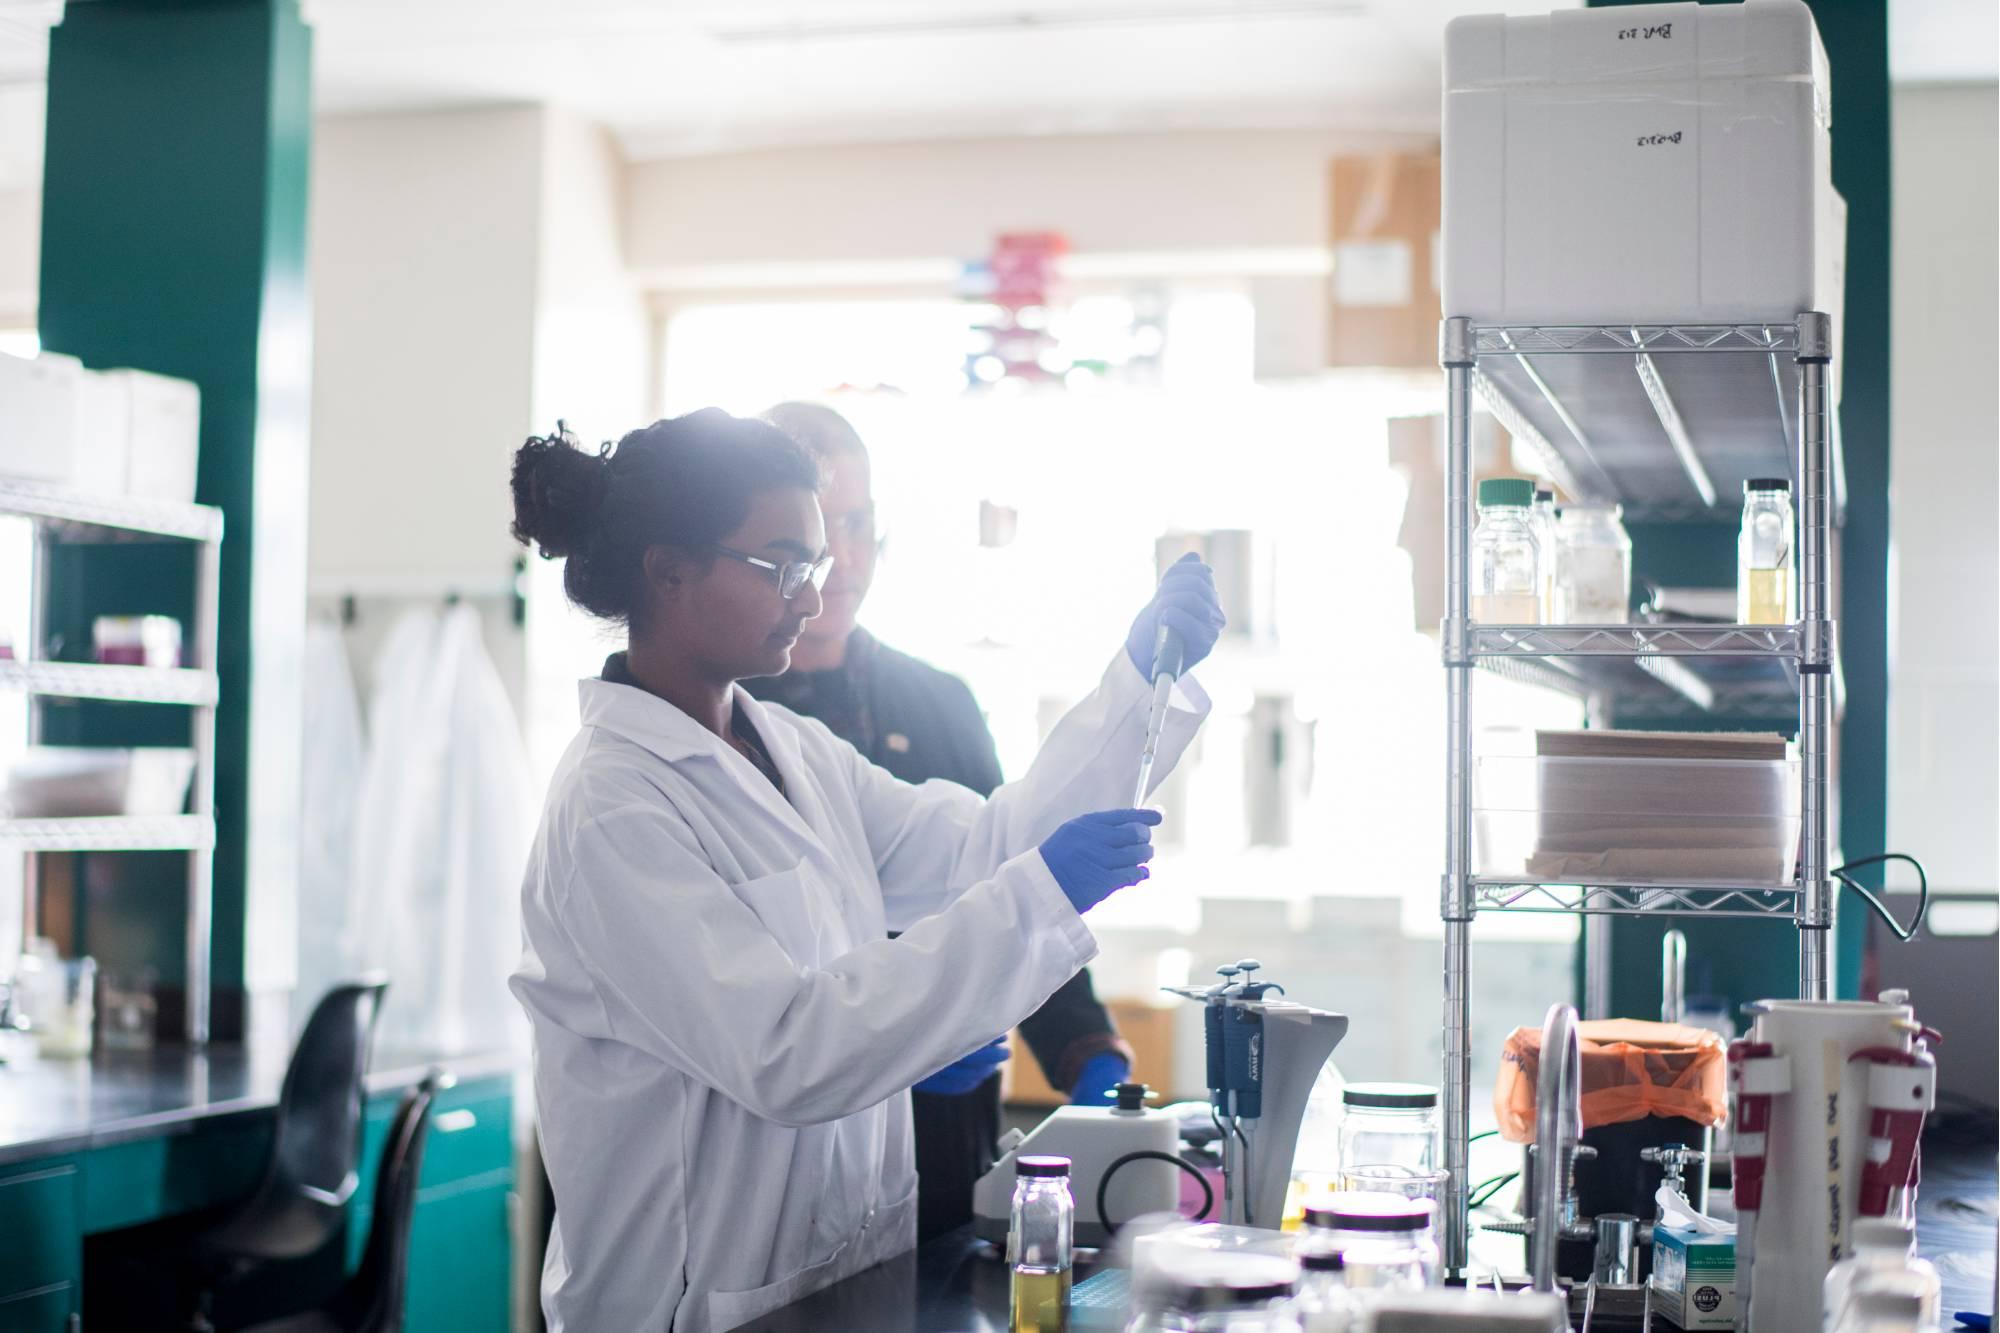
<point>665,570</point>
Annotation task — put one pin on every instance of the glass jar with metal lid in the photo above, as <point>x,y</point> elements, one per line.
<point>1391,1124</point>
<point>1385,1241</point>
<point>1234,1293</point>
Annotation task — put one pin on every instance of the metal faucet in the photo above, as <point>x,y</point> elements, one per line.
<point>1558,1128</point>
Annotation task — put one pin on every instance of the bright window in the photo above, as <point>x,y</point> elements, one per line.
<point>1320,774</point>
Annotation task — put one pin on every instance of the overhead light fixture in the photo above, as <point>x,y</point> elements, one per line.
<point>1026,20</point>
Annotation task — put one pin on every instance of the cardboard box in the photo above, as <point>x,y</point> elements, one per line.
<point>1147,1027</point>
<point>1384,289</point>
<point>1694,1278</point>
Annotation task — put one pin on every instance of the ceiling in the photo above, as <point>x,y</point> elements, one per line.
<point>688,76</point>
<point>701,75</point>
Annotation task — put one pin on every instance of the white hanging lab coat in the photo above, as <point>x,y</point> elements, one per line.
<point>439,833</point>
<point>335,759</point>
<point>724,1035</point>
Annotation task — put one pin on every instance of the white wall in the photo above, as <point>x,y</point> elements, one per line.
<point>1230,205</point>
<point>924,200</point>
<point>1944,724</point>
<point>424,252</point>
<point>592,330</point>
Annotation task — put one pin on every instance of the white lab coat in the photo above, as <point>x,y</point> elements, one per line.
<point>439,831</point>
<point>336,756</point>
<point>723,1032</point>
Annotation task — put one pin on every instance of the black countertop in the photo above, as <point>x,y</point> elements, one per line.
<point>51,1107</point>
<point>957,1284</point>
<point>953,1284</point>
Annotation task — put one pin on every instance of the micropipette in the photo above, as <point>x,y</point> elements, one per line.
<point>1167,657</point>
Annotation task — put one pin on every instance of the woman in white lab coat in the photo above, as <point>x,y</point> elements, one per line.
<point>724,1033</point>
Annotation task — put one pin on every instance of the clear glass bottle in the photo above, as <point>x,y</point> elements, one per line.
<point>1506,560</point>
<point>1385,1241</point>
<point>1324,1304</point>
<point>1542,518</point>
<point>1039,1234</point>
<point>1764,553</point>
<point>1391,1124</point>
<point>1593,566</point>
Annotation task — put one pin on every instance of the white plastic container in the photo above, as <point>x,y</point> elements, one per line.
<point>1564,820</point>
<point>1881,1247</point>
<point>1815,1147</point>
<point>1670,164</point>
<point>61,782</point>
<point>38,417</point>
<point>164,435</point>
<point>100,462</point>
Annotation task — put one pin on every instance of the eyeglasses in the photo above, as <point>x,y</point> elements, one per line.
<point>792,574</point>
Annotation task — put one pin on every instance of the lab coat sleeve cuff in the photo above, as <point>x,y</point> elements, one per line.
<point>1048,906</point>
<point>1127,687</point>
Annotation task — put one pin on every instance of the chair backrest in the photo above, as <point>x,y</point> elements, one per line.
<point>372,1301</point>
<point>318,1143</point>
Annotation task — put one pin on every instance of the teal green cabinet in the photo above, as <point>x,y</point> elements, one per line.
<point>50,1310</point>
<point>41,1258</point>
<point>38,1215</point>
<point>460,1244</point>
<point>459,1267</point>
<point>460,1241</point>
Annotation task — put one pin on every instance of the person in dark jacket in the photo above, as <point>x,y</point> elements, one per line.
<point>922,723</point>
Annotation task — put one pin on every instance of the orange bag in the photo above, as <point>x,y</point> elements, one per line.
<point>1630,1070</point>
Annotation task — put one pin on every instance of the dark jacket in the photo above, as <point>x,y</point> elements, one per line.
<point>921,723</point>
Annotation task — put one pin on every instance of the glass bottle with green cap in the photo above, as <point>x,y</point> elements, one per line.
<point>1506,558</point>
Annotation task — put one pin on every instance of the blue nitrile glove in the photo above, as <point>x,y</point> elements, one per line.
<point>1093,856</point>
<point>963,1075</point>
<point>1185,603</point>
<point>1100,1074</point>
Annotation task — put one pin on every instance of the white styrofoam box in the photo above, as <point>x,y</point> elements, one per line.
<point>165,435</point>
<point>1668,163</point>
<point>38,412</point>
<point>99,463</point>
<point>70,782</point>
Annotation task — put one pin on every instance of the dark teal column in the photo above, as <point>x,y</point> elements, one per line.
<point>174,240</point>
<point>1856,33</point>
<point>1856,36</point>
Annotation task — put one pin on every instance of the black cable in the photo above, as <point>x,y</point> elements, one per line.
<point>1148,1154</point>
<point>1492,1187</point>
<point>1900,931</point>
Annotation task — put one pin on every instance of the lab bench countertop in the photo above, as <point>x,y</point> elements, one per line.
<point>957,1284</point>
<point>52,1107</point>
<point>954,1283</point>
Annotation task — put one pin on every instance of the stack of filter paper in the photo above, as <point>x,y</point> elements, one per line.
<point>1679,807</point>
<point>1673,808</point>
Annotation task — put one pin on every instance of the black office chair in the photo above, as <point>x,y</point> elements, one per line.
<point>372,1300</point>
<point>300,1206</point>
